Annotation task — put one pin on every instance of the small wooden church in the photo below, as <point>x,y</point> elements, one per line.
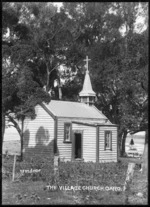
<point>72,130</point>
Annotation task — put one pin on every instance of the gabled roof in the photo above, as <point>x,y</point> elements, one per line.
<point>87,87</point>
<point>73,110</point>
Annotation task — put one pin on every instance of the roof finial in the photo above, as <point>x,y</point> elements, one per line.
<point>86,60</point>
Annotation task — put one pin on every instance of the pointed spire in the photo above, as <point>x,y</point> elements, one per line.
<point>87,94</point>
<point>87,87</point>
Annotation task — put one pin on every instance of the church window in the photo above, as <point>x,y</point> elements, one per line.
<point>67,132</point>
<point>108,140</point>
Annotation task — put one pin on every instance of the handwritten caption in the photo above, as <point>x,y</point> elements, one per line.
<point>30,171</point>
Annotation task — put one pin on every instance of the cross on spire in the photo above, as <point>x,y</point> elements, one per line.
<point>86,60</point>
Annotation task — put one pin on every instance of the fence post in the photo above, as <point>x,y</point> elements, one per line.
<point>128,180</point>
<point>13,174</point>
<point>56,168</point>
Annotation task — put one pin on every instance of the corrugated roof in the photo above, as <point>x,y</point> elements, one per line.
<point>74,109</point>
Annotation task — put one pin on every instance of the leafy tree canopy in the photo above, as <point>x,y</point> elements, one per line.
<point>41,39</point>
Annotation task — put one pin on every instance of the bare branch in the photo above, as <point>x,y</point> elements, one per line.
<point>77,37</point>
<point>57,65</point>
<point>9,125</point>
<point>16,125</point>
<point>56,32</point>
<point>7,113</point>
<point>143,87</point>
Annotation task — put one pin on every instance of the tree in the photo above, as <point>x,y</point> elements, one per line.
<point>122,98</point>
<point>119,63</point>
<point>41,39</point>
<point>38,39</point>
<point>20,91</point>
<point>24,93</point>
<point>9,20</point>
<point>145,156</point>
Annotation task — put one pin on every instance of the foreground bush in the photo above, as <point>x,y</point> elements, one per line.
<point>44,164</point>
<point>35,163</point>
<point>80,173</point>
<point>70,173</point>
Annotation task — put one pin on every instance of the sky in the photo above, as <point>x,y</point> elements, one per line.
<point>140,133</point>
<point>58,4</point>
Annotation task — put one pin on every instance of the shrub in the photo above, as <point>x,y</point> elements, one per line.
<point>80,173</point>
<point>7,162</point>
<point>70,173</point>
<point>43,163</point>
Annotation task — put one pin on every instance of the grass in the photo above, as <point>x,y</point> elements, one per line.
<point>12,147</point>
<point>30,188</point>
<point>139,185</point>
<point>32,193</point>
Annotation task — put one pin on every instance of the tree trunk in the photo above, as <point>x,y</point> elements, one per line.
<point>145,155</point>
<point>47,82</point>
<point>3,126</point>
<point>21,138</point>
<point>59,89</point>
<point>20,131</point>
<point>123,141</point>
<point>21,149</point>
<point>47,71</point>
<point>119,143</point>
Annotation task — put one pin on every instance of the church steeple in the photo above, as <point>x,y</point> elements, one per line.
<point>87,95</point>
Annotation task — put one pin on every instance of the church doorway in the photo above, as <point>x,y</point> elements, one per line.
<point>77,145</point>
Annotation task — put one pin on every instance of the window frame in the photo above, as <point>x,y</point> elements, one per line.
<point>110,140</point>
<point>67,124</point>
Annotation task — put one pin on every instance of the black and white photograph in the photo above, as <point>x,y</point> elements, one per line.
<point>74,103</point>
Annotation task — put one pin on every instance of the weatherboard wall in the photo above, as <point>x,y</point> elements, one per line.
<point>39,133</point>
<point>65,149</point>
<point>88,141</point>
<point>107,155</point>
